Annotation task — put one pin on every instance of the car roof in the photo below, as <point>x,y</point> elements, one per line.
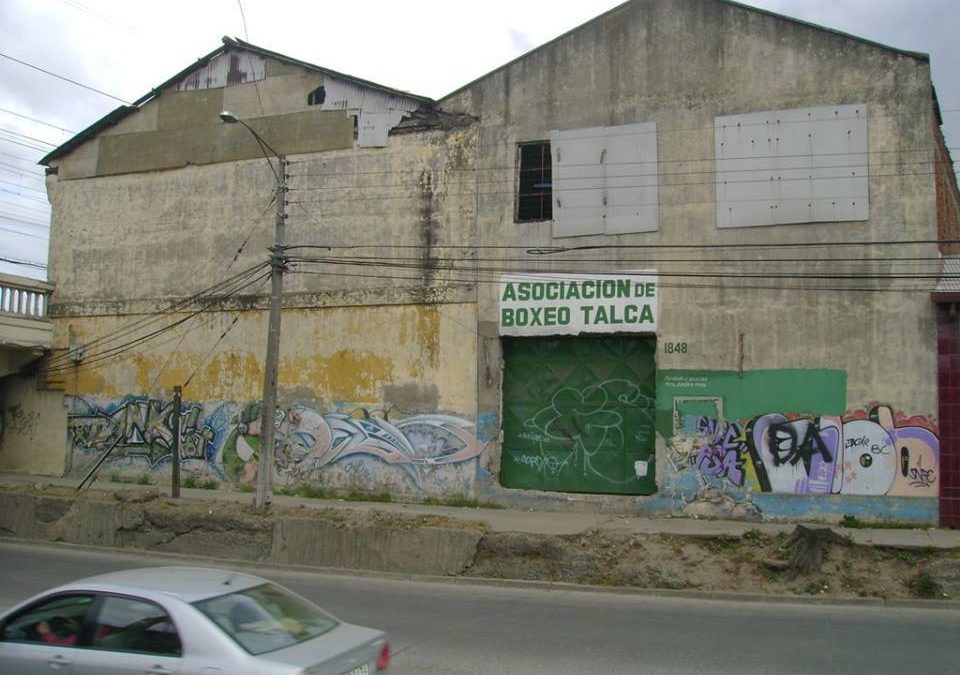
<point>190,584</point>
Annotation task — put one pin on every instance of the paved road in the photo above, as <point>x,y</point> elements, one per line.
<point>487,630</point>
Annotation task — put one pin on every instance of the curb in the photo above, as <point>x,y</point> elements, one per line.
<point>531,584</point>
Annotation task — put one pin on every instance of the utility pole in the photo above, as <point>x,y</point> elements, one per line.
<point>175,472</point>
<point>278,265</point>
<point>278,262</point>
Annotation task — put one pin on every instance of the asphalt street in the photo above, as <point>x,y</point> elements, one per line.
<point>495,629</point>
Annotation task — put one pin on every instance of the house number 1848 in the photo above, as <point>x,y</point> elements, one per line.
<point>674,347</point>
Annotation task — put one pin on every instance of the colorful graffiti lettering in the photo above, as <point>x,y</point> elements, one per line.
<point>425,451</point>
<point>720,454</point>
<point>862,455</point>
<point>139,427</point>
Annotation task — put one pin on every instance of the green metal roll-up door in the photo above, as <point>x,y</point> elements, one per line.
<point>578,414</point>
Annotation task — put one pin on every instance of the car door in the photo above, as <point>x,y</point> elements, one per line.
<point>45,637</point>
<point>130,635</point>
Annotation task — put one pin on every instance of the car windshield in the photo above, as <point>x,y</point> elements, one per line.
<point>267,617</point>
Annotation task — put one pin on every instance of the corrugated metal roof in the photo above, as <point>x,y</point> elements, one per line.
<point>949,281</point>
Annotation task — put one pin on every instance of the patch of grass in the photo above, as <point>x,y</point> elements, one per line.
<point>357,496</point>
<point>461,501</point>
<point>817,587</point>
<point>923,585</point>
<point>719,545</point>
<point>116,477</point>
<point>189,481</point>
<point>245,487</point>
<point>855,523</point>
<point>755,536</point>
<point>854,583</point>
<point>852,522</point>
<point>144,479</point>
<point>305,490</point>
<point>209,484</point>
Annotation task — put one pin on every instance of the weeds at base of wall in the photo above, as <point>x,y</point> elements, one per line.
<point>309,491</point>
<point>190,481</point>
<point>461,501</point>
<point>923,585</point>
<point>142,479</point>
<point>854,523</point>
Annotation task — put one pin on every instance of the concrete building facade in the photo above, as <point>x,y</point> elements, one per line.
<point>677,261</point>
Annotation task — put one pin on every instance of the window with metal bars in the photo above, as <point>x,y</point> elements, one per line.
<point>534,182</point>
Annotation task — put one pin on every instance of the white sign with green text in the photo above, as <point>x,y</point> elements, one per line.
<point>569,304</point>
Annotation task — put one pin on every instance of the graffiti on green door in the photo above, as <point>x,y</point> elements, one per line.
<point>580,414</point>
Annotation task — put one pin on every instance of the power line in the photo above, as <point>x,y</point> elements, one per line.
<point>495,280</point>
<point>65,79</point>
<point>21,232</point>
<point>210,294</point>
<point>212,347</point>
<point>25,187</point>
<point>30,138</point>
<point>34,119</point>
<point>25,263</point>
<point>23,145</point>
<point>61,363</point>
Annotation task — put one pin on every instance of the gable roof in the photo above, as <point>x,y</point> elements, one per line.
<point>917,55</point>
<point>123,111</point>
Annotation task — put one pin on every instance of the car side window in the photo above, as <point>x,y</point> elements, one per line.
<point>132,625</point>
<point>54,621</point>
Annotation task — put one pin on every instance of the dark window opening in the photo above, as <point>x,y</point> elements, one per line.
<point>317,96</point>
<point>534,182</point>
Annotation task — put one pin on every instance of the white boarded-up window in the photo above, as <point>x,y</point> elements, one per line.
<point>807,165</point>
<point>605,180</point>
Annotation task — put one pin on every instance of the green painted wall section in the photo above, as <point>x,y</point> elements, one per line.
<point>730,395</point>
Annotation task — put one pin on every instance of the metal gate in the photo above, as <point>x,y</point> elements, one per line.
<point>578,414</point>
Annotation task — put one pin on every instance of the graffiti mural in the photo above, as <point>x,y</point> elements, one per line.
<point>349,447</point>
<point>308,441</point>
<point>864,453</point>
<point>140,429</point>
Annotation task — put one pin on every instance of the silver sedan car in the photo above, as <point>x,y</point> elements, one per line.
<point>182,621</point>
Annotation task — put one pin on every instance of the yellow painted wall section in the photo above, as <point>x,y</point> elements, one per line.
<point>339,354</point>
<point>33,428</point>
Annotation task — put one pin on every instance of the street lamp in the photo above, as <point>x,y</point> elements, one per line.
<point>277,262</point>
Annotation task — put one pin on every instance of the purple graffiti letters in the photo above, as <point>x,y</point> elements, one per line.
<point>720,455</point>
<point>866,454</point>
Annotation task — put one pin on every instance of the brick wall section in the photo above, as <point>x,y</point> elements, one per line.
<point>948,197</point>
<point>948,347</point>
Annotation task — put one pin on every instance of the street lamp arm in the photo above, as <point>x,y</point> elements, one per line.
<point>267,149</point>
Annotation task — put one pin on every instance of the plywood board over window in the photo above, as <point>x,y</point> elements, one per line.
<point>605,180</point>
<point>806,165</point>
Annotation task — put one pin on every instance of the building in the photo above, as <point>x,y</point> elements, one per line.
<point>690,257</point>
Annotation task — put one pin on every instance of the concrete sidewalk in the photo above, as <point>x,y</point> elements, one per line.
<point>535,522</point>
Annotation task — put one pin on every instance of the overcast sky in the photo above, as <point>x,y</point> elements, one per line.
<point>427,47</point>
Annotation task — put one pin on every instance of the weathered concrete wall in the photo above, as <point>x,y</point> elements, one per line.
<point>680,64</point>
<point>171,527</point>
<point>30,433</point>
<point>426,550</point>
<point>396,381</point>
